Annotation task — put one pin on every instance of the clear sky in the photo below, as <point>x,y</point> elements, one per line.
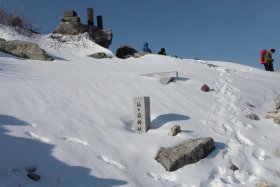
<point>226,30</point>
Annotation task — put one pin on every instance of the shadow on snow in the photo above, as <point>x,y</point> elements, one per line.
<point>18,153</point>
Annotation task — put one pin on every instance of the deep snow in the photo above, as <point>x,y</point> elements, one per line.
<point>72,119</point>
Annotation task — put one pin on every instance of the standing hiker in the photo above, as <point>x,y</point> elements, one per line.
<point>268,60</point>
<point>146,48</point>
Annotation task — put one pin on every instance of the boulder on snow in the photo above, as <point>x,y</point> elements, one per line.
<point>24,49</point>
<point>125,52</point>
<point>205,88</point>
<point>174,130</point>
<point>188,152</point>
<point>99,55</point>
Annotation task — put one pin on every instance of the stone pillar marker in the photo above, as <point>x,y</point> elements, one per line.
<point>90,16</point>
<point>142,115</point>
<point>99,22</point>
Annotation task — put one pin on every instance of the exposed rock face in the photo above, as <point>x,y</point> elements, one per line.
<point>125,52</point>
<point>190,151</point>
<point>24,49</point>
<point>2,40</point>
<point>71,25</point>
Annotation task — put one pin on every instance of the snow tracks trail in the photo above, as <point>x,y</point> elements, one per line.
<point>228,126</point>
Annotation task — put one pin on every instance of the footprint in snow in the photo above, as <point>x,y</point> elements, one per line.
<point>74,140</point>
<point>162,177</point>
<point>38,137</point>
<point>111,162</point>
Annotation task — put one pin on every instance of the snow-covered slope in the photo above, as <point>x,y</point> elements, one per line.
<point>72,119</point>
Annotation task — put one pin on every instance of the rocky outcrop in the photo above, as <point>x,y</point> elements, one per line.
<point>25,50</point>
<point>71,25</point>
<point>190,151</point>
<point>125,52</point>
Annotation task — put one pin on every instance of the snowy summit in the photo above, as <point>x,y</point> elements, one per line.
<point>70,121</point>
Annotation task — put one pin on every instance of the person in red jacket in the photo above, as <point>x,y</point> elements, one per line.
<point>268,65</point>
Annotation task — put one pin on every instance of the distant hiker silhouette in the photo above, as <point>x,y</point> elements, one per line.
<point>146,48</point>
<point>162,51</point>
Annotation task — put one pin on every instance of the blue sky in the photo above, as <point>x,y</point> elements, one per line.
<point>226,30</point>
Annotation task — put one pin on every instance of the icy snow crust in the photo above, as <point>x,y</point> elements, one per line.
<point>72,119</point>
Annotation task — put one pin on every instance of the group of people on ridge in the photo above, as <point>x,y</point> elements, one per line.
<point>148,50</point>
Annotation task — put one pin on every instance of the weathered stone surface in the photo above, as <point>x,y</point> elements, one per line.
<point>125,51</point>
<point>69,28</point>
<point>188,152</point>
<point>24,49</point>
<point>174,130</point>
<point>99,55</point>
<point>253,116</point>
<point>69,13</point>
<point>205,88</point>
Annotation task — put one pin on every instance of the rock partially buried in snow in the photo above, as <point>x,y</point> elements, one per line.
<point>174,130</point>
<point>253,116</point>
<point>188,152</point>
<point>24,49</point>
<point>99,55</point>
<point>205,88</point>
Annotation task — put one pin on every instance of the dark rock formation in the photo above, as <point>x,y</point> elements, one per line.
<point>125,52</point>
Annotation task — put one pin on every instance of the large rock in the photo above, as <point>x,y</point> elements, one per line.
<point>71,25</point>
<point>188,152</point>
<point>125,52</point>
<point>24,49</point>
